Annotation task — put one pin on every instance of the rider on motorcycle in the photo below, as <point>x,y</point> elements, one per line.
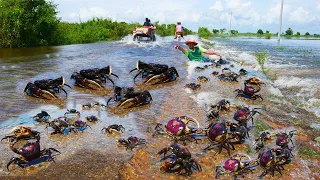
<point>179,30</point>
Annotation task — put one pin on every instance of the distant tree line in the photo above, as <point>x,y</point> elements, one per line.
<point>26,23</point>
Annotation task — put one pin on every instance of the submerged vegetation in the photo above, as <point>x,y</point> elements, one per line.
<point>262,58</point>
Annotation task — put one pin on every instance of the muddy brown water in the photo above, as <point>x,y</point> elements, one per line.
<point>93,155</point>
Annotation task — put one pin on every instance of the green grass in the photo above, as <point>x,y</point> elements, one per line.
<point>261,126</point>
<point>308,153</point>
<point>284,49</point>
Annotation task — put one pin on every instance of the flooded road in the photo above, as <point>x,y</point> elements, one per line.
<point>91,154</point>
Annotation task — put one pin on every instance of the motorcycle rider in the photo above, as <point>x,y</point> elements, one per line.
<point>179,30</point>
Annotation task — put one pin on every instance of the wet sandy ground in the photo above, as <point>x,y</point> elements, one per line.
<point>92,154</point>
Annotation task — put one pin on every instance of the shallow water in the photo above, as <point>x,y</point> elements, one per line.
<point>20,66</point>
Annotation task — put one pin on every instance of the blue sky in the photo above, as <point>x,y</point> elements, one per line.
<point>248,15</point>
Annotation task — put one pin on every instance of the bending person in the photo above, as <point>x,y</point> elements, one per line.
<point>194,53</point>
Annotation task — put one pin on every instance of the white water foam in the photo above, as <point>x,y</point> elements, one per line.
<point>129,41</point>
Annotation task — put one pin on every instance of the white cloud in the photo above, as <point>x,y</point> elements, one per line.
<point>302,16</point>
<point>89,13</point>
<point>217,6</point>
<point>273,15</point>
<point>318,4</point>
<point>238,5</point>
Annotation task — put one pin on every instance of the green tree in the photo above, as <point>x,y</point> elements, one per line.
<point>204,32</point>
<point>27,22</point>
<point>260,31</point>
<point>215,31</point>
<point>267,32</point>
<point>222,30</point>
<point>289,32</point>
<point>307,34</point>
<point>234,32</point>
<point>298,34</point>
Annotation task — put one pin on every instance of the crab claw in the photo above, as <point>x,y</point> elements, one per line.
<point>128,103</point>
<point>110,72</point>
<point>109,101</point>
<point>187,119</point>
<point>92,84</point>
<point>63,82</point>
<point>154,80</point>
<point>134,79</point>
<point>137,67</point>
<point>14,160</point>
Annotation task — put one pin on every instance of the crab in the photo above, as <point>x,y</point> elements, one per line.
<point>215,73</point>
<point>243,115</point>
<point>131,142</point>
<point>79,125</point>
<point>52,85</point>
<point>43,116</point>
<point>148,70</point>
<point>193,86</point>
<point>249,92</point>
<point>177,128</point>
<point>203,79</point>
<point>114,128</point>
<point>269,163</point>
<point>237,133</point>
<point>168,76</point>
<point>87,83</point>
<point>254,81</point>
<point>243,72</point>
<point>180,159</point>
<point>34,91</point>
<point>209,65</point>
<point>92,118</point>
<point>236,166</point>
<point>91,105</point>
<point>120,93</point>
<point>264,136</point>
<point>228,75</point>
<point>60,125</point>
<point>218,135</point>
<point>199,69</point>
<point>135,99</point>
<point>31,155</point>
<point>97,74</point>
<point>21,132</point>
<point>282,140</point>
<point>72,113</point>
<point>221,61</point>
<point>223,104</point>
<point>213,111</point>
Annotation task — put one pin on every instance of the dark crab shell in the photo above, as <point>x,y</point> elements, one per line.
<point>30,151</point>
<point>266,159</point>
<point>282,139</point>
<point>175,127</point>
<point>241,115</point>
<point>249,90</point>
<point>232,165</point>
<point>217,132</point>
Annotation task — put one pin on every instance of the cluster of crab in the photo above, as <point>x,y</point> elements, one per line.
<point>222,135</point>
<point>26,142</point>
<point>269,159</point>
<point>129,143</point>
<point>67,123</point>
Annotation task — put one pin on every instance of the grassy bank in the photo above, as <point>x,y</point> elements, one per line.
<point>35,23</point>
